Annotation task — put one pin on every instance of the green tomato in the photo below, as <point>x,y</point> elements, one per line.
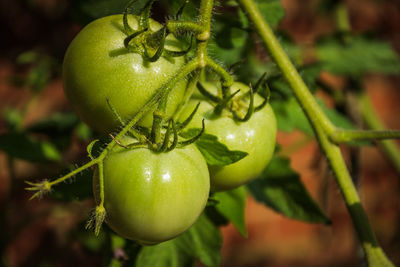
<point>256,137</point>
<point>98,67</point>
<point>152,197</point>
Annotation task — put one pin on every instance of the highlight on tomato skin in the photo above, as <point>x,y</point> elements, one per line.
<point>98,68</point>
<point>153,197</point>
<point>257,137</point>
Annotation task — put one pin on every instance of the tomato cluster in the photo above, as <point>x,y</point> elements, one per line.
<point>151,196</point>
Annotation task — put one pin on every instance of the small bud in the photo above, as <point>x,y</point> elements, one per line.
<point>41,188</point>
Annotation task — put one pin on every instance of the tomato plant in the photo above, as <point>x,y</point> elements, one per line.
<point>151,181</point>
<point>255,136</point>
<point>98,68</point>
<point>152,197</point>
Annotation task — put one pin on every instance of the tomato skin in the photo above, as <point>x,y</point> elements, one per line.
<point>256,137</point>
<point>152,197</point>
<point>98,67</point>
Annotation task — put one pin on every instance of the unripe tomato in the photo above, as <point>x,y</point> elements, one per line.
<point>152,197</point>
<point>256,137</point>
<point>98,67</point>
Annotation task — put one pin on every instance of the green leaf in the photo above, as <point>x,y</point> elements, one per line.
<point>338,119</point>
<point>13,118</point>
<point>83,132</point>
<point>58,123</point>
<point>166,254</point>
<point>272,10</point>
<point>23,146</point>
<point>232,206</point>
<point>291,116</point>
<point>39,76</point>
<point>202,241</point>
<point>58,128</point>
<point>361,55</point>
<point>230,40</point>
<point>27,57</point>
<point>41,69</point>
<point>94,244</point>
<point>189,12</point>
<point>309,73</point>
<point>281,189</point>
<point>215,153</point>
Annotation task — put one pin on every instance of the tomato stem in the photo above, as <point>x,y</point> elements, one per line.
<point>227,78</point>
<point>75,172</point>
<point>101,182</point>
<point>371,119</point>
<point>324,130</point>
<point>175,26</point>
<point>191,87</point>
<point>342,136</point>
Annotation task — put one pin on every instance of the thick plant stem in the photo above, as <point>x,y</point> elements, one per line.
<point>227,79</point>
<point>374,254</point>
<point>191,87</point>
<point>184,26</point>
<point>341,136</point>
<point>389,147</point>
<point>206,7</point>
<point>303,95</point>
<point>323,128</point>
<point>74,172</point>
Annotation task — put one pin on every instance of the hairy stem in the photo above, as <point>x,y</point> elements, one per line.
<point>101,182</point>
<point>303,95</point>
<point>341,136</point>
<point>228,80</point>
<point>323,128</point>
<point>206,7</point>
<point>74,172</point>
<point>184,26</point>
<point>191,87</point>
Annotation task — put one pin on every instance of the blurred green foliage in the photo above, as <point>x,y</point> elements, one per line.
<point>233,41</point>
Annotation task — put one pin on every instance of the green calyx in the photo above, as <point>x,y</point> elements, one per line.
<point>238,99</point>
<point>147,39</point>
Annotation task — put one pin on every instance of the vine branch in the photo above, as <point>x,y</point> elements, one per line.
<point>323,129</point>
<point>390,148</point>
<point>343,136</point>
